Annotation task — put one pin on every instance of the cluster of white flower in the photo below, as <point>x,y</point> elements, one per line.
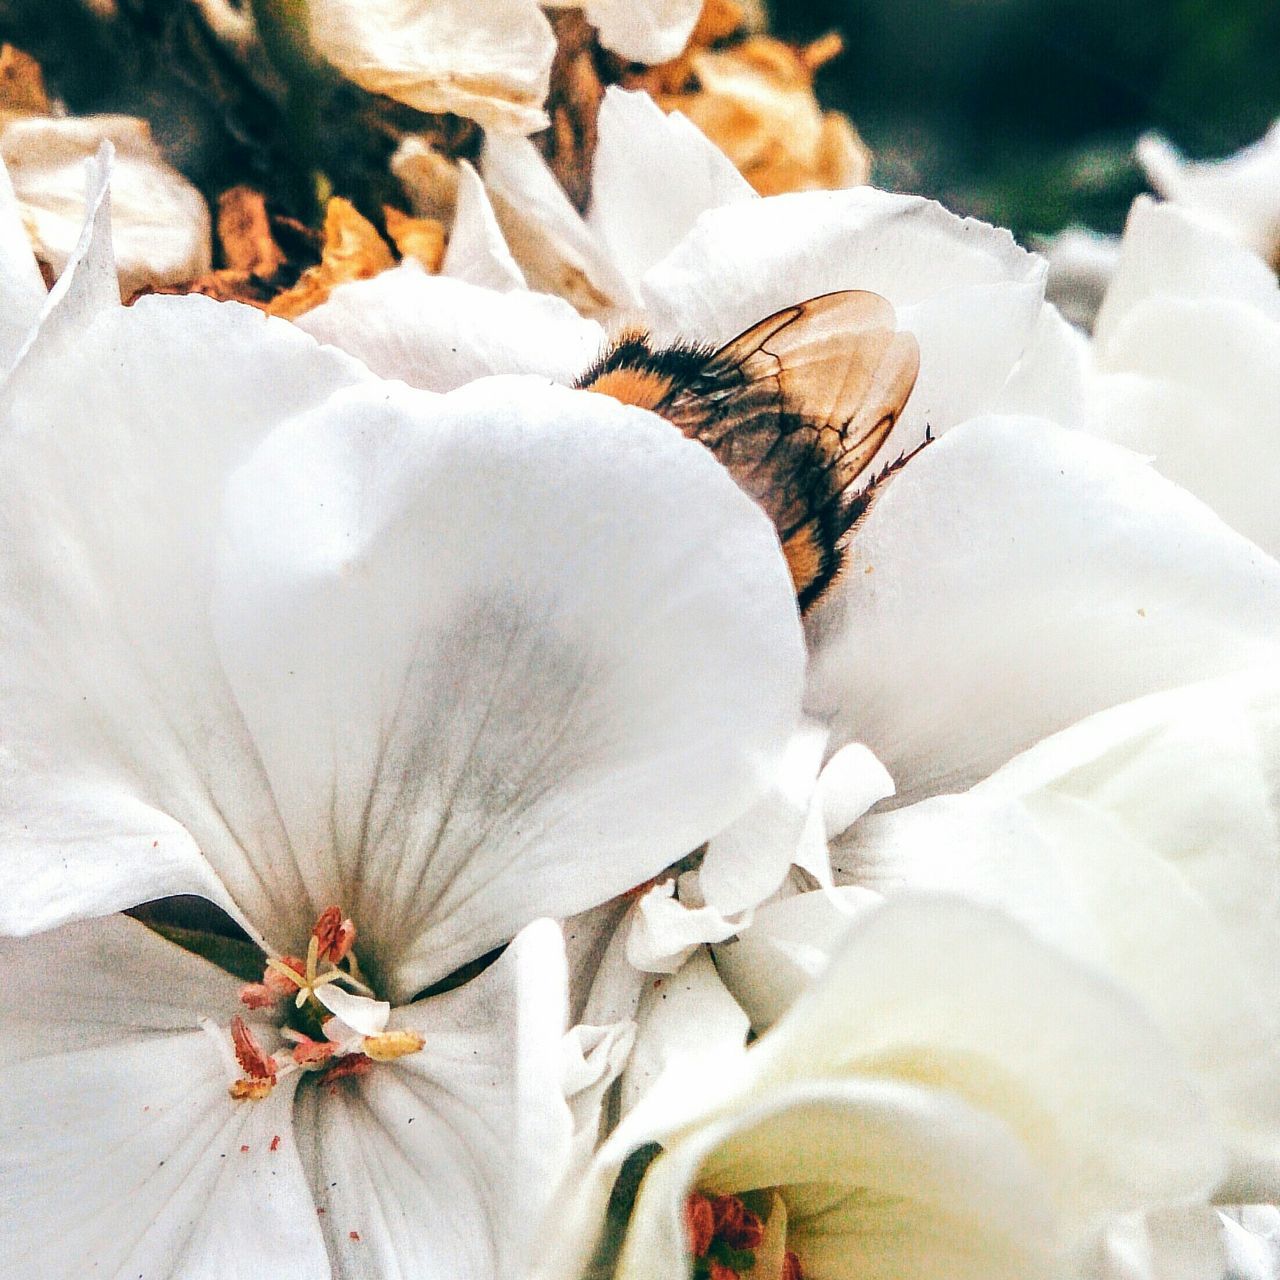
<point>593,913</point>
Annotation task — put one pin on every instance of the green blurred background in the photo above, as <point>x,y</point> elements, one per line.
<point>1025,112</point>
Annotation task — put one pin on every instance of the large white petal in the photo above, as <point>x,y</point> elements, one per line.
<point>965,289</point>
<point>936,991</point>
<point>439,333</point>
<point>637,140</point>
<point>121,1151</point>
<point>125,756</point>
<point>505,653</point>
<point>477,251</point>
<point>438,1165</point>
<point>489,60</point>
<point>879,1179</point>
<point>1143,841</point>
<point>1167,250</point>
<point>1195,384</point>
<point>1014,578</point>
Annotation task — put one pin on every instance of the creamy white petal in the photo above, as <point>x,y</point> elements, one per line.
<point>1184,1243</point>
<point>888,1179</point>
<point>636,141</point>
<point>477,251</point>
<point>504,653</point>
<point>936,991</point>
<point>128,770</point>
<point>966,290</point>
<point>160,226</point>
<point>439,1164</point>
<point>1144,842</point>
<point>121,1151</point>
<point>555,248</point>
<point>1167,250</point>
<point>489,60</point>
<point>1081,264</point>
<point>640,30</point>
<point>594,1059</point>
<point>439,333</point>
<point>1014,578</point>
<point>850,783</point>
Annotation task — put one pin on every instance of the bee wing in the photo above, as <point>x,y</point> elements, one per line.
<point>836,360</point>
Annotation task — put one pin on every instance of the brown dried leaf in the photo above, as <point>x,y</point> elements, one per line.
<point>244,230</point>
<point>419,238</point>
<point>353,250</point>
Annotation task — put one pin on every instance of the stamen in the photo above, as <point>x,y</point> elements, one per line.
<point>313,1053</point>
<point>257,995</point>
<point>389,1045</point>
<point>791,1267</point>
<point>351,1064</point>
<point>335,934</point>
<point>699,1223</point>
<point>736,1225</point>
<point>253,1060</point>
<point>289,970</point>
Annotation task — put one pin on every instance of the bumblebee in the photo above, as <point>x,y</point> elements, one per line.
<point>795,409</point>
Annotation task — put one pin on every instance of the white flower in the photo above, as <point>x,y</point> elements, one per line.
<point>1081,264</point>
<point>949,1098</point>
<point>288,637</point>
<point>1187,352</point>
<point>160,226</point>
<point>1014,577</point>
<point>1240,194</point>
<point>1144,842</point>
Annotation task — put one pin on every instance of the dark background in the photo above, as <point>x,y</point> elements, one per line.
<point>1025,112</point>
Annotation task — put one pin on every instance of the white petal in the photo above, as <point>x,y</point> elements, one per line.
<point>489,60</point>
<point>1173,1244</point>
<point>125,756</point>
<point>437,1165</point>
<point>686,1020</point>
<point>1016,577</point>
<point>22,290</point>
<point>1167,250</point>
<point>1238,193</point>
<point>603,987</point>
<point>555,248</point>
<point>1195,385</point>
<point>1251,1237</point>
<point>436,333</point>
<point>889,1180</point>
<point>1050,381</point>
<point>477,251</point>
<point>767,966</point>
<point>637,140</point>
<point>969,294</point>
<point>937,991</point>
<point>121,1151</point>
<point>850,783</point>
<point>640,30</point>
<point>504,653</point>
<point>1143,841</point>
<point>364,1016</point>
<point>665,932</point>
<point>160,223</point>
<point>594,1059</point>
<point>745,863</point>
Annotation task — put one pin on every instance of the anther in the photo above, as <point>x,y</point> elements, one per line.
<point>389,1045</point>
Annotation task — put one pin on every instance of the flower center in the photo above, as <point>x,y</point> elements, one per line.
<point>334,1025</point>
<point>725,1235</point>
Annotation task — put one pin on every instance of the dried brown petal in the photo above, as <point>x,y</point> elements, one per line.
<point>418,238</point>
<point>21,84</point>
<point>353,250</point>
